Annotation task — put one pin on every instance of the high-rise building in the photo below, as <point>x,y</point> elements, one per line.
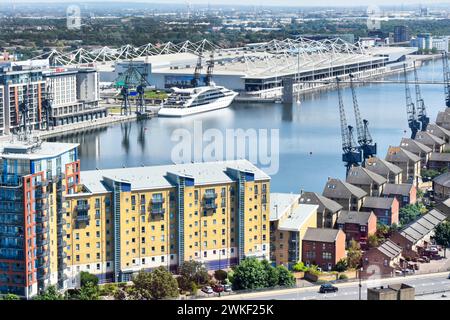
<point>56,222</point>
<point>401,34</point>
<point>35,177</point>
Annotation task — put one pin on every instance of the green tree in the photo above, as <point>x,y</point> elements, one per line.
<point>373,241</point>
<point>442,235</point>
<point>354,254</point>
<point>142,283</point>
<point>410,213</point>
<point>86,277</point>
<point>50,293</point>
<point>10,296</point>
<point>271,274</point>
<point>341,265</point>
<point>192,271</point>
<point>299,267</point>
<point>89,291</point>
<point>249,274</point>
<point>285,277</point>
<point>163,285</point>
<point>220,275</point>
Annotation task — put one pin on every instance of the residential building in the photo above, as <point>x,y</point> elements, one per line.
<point>386,209</point>
<point>371,182</point>
<point>435,143</point>
<point>441,187</point>
<point>418,148</point>
<point>398,291</point>
<point>35,178</point>
<point>423,41</point>
<point>347,195</point>
<point>401,34</point>
<point>391,172</point>
<point>443,119</point>
<point>414,237</point>
<point>439,132</point>
<point>328,210</point>
<point>290,231</point>
<point>409,162</point>
<point>382,260</point>
<point>439,161</point>
<point>440,44</point>
<point>405,193</point>
<point>323,247</point>
<point>357,226</point>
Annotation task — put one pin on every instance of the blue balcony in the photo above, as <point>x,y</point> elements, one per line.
<point>209,205</point>
<point>82,218</point>
<point>157,210</point>
<point>41,218</point>
<point>82,207</point>
<point>158,200</point>
<point>210,195</point>
<point>40,206</point>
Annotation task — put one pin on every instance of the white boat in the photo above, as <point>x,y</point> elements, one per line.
<point>190,101</point>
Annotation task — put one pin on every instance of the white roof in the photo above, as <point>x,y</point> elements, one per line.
<point>155,177</point>
<point>298,217</point>
<point>280,203</point>
<point>32,151</point>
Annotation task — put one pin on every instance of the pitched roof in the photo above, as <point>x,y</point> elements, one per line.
<point>336,188</point>
<point>381,166</point>
<point>438,156</point>
<point>444,207</point>
<point>402,189</point>
<point>295,219</point>
<point>321,235</point>
<point>438,131</point>
<point>419,228</point>
<point>280,203</point>
<point>323,202</point>
<point>443,118</point>
<point>443,179</point>
<point>390,249</point>
<point>414,146</point>
<point>398,154</point>
<point>428,139</point>
<point>360,175</point>
<point>377,203</point>
<point>361,218</point>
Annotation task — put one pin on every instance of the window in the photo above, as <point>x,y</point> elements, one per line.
<point>326,255</point>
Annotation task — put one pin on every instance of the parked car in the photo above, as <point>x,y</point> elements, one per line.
<point>425,259</point>
<point>327,287</point>
<point>207,290</point>
<point>218,288</point>
<point>227,288</point>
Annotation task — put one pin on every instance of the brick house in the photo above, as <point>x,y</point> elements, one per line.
<point>441,187</point>
<point>346,194</point>
<point>426,138</point>
<point>405,193</point>
<point>409,162</point>
<point>416,235</point>
<point>417,148</point>
<point>391,172</point>
<point>357,226</point>
<point>323,247</point>
<point>382,260</point>
<point>386,209</point>
<point>371,182</point>
<point>328,210</point>
<point>439,161</point>
<point>439,132</point>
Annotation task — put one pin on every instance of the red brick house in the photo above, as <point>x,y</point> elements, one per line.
<point>382,260</point>
<point>405,193</point>
<point>323,247</point>
<point>386,209</point>
<point>357,226</point>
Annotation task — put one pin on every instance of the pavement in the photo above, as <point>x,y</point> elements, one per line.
<point>424,283</point>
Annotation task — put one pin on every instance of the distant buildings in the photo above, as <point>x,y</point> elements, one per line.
<point>392,292</point>
<point>401,34</point>
<point>426,42</point>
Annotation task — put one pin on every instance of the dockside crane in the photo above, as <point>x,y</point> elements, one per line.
<point>24,109</point>
<point>446,78</point>
<point>198,68</point>
<point>210,69</point>
<point>420,104</point>
<point>365,141</point>
<point>351,154</point>
<point>413,124</point>
<point>47,101</point>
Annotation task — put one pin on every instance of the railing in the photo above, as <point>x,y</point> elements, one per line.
<point>209,205</point>
<point>43,229</point>
<point>82,207</point>
<point>210,195</point>
<point>158,200</point>
<point>157,210</point>
<point>97,215</point>
<point>61,233</point>
<point>41,241</point>
<point>82,218</point>
<point>62,244</point>
<point>41,206</point>
<point>41,218</point>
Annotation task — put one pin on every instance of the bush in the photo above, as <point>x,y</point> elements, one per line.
<point>343,277</point>
<point>314,270</point>
<point>10,296</point>
<point>341,265</point>
<point>108,289</point>
<point>220,275</point>
<point>86,277</point>
<point>300,267</point>
<point>285,277</point>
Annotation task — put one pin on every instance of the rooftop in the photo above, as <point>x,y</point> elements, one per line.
<point>299,215</point>
<point>321,235</point>
<point>34,149</point>
<point>398,154</point>
<point>438,156</point>
<point>419,228</point>
<point>323,202</point>
<point>381,166</point>
<point>437,130</point>
<point>390,249</point>
<point>414,146</point>
<point>401,189</point>
<point>363,176</point>
<point>361,218</point>
<point>428,139</point>
<point>443,179</point>
<point>280,204</point>
<point>378,203</point>
<point>154,177</point>
<point>338,189</point>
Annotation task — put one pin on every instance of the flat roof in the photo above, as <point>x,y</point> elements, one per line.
<point>299,215</point>
<point>34,150</point>
<point>280,203</point>
<point>155,177</point>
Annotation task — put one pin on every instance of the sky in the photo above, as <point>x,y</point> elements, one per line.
<point>264,2</point>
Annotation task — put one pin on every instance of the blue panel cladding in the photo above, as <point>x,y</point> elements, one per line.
<point>221,264</point>
<point>189,182</point>
<point>32,163</point>
<point>249,176</point>
<point>125,187</point>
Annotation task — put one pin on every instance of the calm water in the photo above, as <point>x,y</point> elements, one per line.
<point>310,141</point>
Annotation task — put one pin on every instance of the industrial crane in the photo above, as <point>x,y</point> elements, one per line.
<point>413,124</point>
<point>446,78</point>
<point>351,154</point>
<point>47,106</point>
<point>196,80</point>
<point>420,104</point>
<point>365,141</point>
<point>209,71</point>
<point>24,114</point>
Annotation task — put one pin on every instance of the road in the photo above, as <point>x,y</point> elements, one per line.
<point>350,291</point>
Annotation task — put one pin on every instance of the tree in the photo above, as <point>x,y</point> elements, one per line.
<point>192,271</point>
<point>410,213</point>
<point>142,286</point>
<point>442,235</point>
<point>89,291</point>
<point>220,275</point>
<point>249,274</point>
<point>51,293</point>
<point>373,241</point>
<point>285,277</point>
<point>354,254</point>
<point>163,285</point>
<point>10,296</point>
<point>341,265</point>
<point>299,267</point>
<point>86,277</point>
<point>271,274</point>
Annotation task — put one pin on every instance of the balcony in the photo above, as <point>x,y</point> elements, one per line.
<point>157,210</point>
<point>42,229</point>
<point>39,195</point>
<point>43,252</point>
<point>42,183</point>
<point>210,195</point>
<point>209,205</point>
<point>61,233</point>
<point>82,218</point>
<point>61,221</point>
<point>41,218</point>
<point>62,244</point>
<point>82,207</point>
<point>158,200</point>
<point>41,206</point>
<point>41,241</point>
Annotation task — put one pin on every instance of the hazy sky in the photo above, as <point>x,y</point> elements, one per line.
<point>263,2</point>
